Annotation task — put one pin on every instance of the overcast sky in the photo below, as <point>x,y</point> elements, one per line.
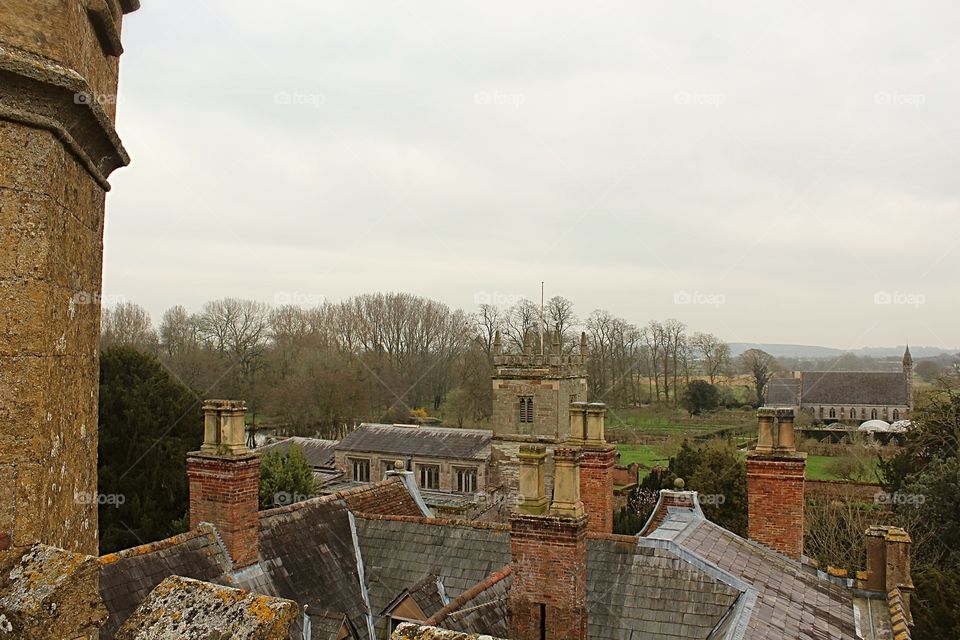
<point>769,172</point>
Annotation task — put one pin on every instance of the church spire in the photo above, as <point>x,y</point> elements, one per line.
<point>907,358</point>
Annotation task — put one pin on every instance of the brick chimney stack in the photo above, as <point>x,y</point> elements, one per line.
<point>548,598</point>
<point>775,476</point>
<point>596,464</point>
<point>225,481</point>
<point>888,565</point>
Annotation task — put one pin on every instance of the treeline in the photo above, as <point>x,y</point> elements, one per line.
<point>384,356</point>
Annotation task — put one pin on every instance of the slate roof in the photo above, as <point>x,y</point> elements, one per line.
<point>781,598</point>
<point>433,442</point>
<point>399,552</point>
<point>127,577</point>
<point>638,589</point>
<point>319,453</point>
<point>481,608</point>
<point>846,388</point>
<point>308,554</point>
<point>783,392</point>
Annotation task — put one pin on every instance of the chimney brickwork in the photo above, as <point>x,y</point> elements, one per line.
<point>775,480</point>
<point>596,464</point>
<point>548,598</point>
<point>224,479</point>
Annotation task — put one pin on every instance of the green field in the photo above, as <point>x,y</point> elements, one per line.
<point>643,454</point>
<point>817,469</point>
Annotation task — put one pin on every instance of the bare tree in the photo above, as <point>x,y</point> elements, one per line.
<point>761,365</point>
<point>521,324</point>
<point>127,324</point>
<point>561,319</point>
<point>488,320</point>
<point>715,353</point>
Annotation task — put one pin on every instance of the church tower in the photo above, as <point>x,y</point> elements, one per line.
<point>908,374</point>
<point>532,392</point>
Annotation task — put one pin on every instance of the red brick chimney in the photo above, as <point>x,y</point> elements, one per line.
<point>225,481</point>
<point>596,464</point>
<point>548,598</point>
<point>775,475</point>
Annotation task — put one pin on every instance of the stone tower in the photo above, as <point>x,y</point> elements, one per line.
<point>58,85</point>
<point>532,392</point>
<point>908,373</point>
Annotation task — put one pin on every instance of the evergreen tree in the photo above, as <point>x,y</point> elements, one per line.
<point>285,478</point>
<point>147,424</point>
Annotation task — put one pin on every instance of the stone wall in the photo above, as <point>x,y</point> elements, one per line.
<point>58,76</point>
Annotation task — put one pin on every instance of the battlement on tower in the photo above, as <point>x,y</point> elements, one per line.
<point>528,365</point>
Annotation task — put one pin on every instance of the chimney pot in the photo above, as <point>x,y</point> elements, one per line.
<point>578,423</point>
<point>786,439</point>
<point>765,418</point>
<point>596,413</point>
<point>533,489</point>
<point>224,430</point>
<point>566,483</point>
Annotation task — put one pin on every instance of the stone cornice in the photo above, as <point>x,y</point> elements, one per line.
<point>43,94</point>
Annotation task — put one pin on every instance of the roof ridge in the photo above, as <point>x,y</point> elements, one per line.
<point>468,595</point>
<point>439,522</point>
<point>202,529</point>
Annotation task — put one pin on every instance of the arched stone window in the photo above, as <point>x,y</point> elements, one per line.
<point>833,412</point>
<point>873,414</point>
<point>821,412</point>
<point>896,414</point>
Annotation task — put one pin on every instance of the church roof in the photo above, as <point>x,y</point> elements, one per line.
<point>783,392</point>
<point>854,387</point>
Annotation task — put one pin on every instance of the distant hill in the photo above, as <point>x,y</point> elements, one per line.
<point>813,351</point>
